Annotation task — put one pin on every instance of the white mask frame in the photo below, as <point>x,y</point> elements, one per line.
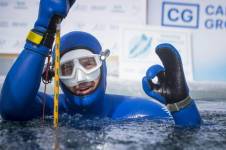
<point>74,56</point>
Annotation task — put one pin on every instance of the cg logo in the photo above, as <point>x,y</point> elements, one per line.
<point>180,15</point>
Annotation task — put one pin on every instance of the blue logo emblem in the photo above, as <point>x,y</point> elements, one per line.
<point>183,15</point>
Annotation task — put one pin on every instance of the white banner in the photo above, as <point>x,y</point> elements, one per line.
<point>101,18</point>
<point>206,19</point>
<point>138,49</point>
<point>16,19</point>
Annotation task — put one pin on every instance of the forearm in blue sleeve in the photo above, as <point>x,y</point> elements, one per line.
<point>188,116</point>
<point>18,99</point>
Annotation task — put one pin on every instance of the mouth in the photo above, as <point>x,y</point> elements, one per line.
<point>84,88</point>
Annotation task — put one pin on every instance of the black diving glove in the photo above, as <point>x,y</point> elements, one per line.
<point>171,87</point>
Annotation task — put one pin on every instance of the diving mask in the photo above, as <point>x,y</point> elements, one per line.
<point>80,65</point>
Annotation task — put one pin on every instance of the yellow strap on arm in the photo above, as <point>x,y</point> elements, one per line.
<point>34,37</point>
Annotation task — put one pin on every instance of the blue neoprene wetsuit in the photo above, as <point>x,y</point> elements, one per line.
<point>20,99</point>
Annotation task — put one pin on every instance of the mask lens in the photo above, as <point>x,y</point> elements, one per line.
<point>67,68</point>
<point>88,62</point>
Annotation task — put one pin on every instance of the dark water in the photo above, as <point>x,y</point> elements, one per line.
<point>76,132</point>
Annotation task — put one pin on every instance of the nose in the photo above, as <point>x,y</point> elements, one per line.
<point>80,76</point>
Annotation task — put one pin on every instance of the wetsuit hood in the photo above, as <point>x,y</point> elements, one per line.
<point>82,40</point>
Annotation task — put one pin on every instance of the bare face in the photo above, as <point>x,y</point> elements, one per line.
<point>85,87</point>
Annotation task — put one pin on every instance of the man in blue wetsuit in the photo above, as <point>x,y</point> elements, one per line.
<point>83,78</point>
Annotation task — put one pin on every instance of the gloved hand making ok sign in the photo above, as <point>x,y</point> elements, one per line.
<point>171,87</point>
